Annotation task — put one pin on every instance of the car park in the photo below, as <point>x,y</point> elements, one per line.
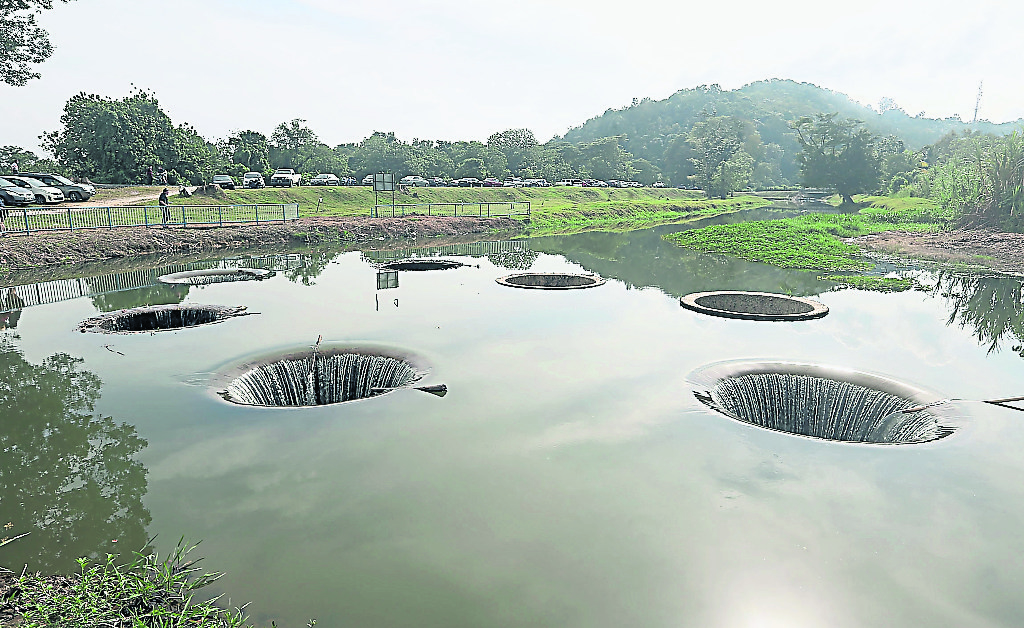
<point>11,194</point>
<point>253,180</point>
<point>325,179</point>
<point>42,193</point>
<point>72,191</point>
<point>224,181</point>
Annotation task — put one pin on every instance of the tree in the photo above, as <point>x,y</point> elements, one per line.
<point>288,140</point>
<point>23,43</point>
<point>27,160</point>
<point>518,146</point>
<point>250,149</point>
<point>837,153</point>
<point>67,475</point>
<point>714,141</point>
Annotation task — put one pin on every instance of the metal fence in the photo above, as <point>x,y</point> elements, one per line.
<point>480,210</point>
<point>28,220</point>
<point>14,298</point>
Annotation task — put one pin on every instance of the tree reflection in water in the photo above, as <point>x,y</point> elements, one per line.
<point>67,475</point>
<point>992,306</point>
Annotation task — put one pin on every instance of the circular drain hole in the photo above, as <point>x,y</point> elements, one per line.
<point>159,318</point>
<point>320,378</point>
<point>216,275</point>
<point>758,306</point>
<point>422,264</point>
<point>550,281</point>
<point>822,402</point>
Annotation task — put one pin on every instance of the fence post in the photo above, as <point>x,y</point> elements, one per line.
<point>257,214</point>
<point>220,214</point>
<point>284,214</point>
<point>183,221</point>
<point>110,219</point>
<point>70,224</point>
<point>24,213</point>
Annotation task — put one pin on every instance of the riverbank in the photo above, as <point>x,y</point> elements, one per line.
<point>40,250</point>
<point>981,248</point>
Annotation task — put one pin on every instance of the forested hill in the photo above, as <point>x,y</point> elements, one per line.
<point>656,130</point>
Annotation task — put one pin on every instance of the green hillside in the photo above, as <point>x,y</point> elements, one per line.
<point>656,130</point>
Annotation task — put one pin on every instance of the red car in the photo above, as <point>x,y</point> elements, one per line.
<point>491,182</point>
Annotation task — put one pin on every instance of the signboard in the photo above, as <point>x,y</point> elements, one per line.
<point>387,279</point>
<point>384,182</point>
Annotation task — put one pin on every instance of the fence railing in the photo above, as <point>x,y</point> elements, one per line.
<point>18,297</point>
<point>28,220</point>
<point>480,210</point>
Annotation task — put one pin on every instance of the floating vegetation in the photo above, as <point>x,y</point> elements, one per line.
<point>874,284</point>
<point>216,275</point>
<point>422,264</point>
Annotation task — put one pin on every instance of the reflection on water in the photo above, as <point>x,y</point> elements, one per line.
<point>160,294</point>
<point>67,474</point>
<point>993,306</point>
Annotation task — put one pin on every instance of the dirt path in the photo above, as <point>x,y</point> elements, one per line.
<point>64,247</point>
<point>999,251</point>
<point>120,197</point>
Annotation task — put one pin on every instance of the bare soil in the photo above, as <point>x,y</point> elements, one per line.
<point>985,248</point>
<point>63,247</point>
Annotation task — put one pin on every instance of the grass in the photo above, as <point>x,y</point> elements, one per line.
<point>553,210</point>
<point>814,242</point>
<point>147,592</point>
<point>875,284</point>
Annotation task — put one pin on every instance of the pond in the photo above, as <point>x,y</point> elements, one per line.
<point>569,477</point>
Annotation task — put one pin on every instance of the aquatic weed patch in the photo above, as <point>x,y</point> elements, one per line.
<point>874,284</point>
<point>813,242</point>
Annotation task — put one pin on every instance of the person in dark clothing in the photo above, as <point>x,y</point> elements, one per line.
<point>149,174</point>
<point>164,202</point>
<point>14,167</point>
<point>10,309</point>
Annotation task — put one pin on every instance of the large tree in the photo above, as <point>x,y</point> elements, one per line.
<point>837,153</point>
<point>23,43</point>
<point>715,141</point>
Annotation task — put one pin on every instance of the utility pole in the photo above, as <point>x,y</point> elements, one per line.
<point>977,102</point>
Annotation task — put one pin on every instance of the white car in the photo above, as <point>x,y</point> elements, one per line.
<point>43,193</point>
<point>415,181</point>
<point>325,179</point>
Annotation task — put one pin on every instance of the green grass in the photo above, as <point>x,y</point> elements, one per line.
<point>814,242</point>
<point>875,284</point>
<point>554,210</point>
<point>148,592</point>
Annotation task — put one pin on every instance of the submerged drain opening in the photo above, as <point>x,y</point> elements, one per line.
<point>550,281</point>
<point>159,318</point>
<point>422,264</point>
<point>319,379</point>
<point>761,306</point>
<point>822,402</point>
<point>216,275</point>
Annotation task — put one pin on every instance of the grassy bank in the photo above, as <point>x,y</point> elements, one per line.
<point>814,242</point>
<point>147,592</point>
<point>554,210</point>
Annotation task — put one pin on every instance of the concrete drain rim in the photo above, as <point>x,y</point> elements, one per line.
<point>935,423</point>
<point>550,281</point>
<point>215,275</point>
<point>110,322</point>
<point>756,306</point>
<point>421,265</point>
<point>226,377</point>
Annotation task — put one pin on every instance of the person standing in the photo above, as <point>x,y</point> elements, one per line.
<point>14,167</point>
<point>164,202</point>
<point>149,174</point>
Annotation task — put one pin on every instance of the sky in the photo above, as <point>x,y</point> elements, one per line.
<point>461,70</point>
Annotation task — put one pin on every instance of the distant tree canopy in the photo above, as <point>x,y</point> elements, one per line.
<point>837,153</point>
<point>23,43</point>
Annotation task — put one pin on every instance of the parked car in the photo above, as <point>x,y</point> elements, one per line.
<point>537,183</point>
<point>11,194</point>
<point>325,179</point>
<point>72,191</point>
<point>437,182</point>
<point>368,179</point>
<point>42,193</point>
<point>253,180</point>
<point>570,182</point>
<point>658,184</point>
<point>491,182</point>
<point>348,181</point>
<point>469,182</point>
<point>414,181</point>
<point>223,181</point>
<point>513,182</point>
<point>285,178</point>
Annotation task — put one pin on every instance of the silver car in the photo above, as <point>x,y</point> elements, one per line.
<point>72,191</point>
<point>42,193</point>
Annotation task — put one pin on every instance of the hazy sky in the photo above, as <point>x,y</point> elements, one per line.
<point>455,69</point>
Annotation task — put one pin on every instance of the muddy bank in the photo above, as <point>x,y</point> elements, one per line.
<point>64,247</point>
<point>985,248</point>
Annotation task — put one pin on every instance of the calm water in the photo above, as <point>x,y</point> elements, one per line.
<point>569,478</point>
